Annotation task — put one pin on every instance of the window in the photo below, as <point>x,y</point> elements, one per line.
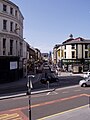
<point>11,11</point>
<point>86,54</point>
<point>86,46</point>
<point>20,49</point>
<point>65,54</point>
<point>11,26</point>
<point>61,53</point>
<point>4,46</point>
<point>73,54</point>
<point>16,28</point>
<point>11,47</point>
<point>16,47</point>
<point>65,47</point>
<point>4,8</point>
<point>16,13</point>
<point>73,46</point>
<point>4,24</point>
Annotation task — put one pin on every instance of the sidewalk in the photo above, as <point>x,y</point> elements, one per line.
<point>80,113</point>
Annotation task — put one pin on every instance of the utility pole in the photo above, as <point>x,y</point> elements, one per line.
<point>29,86</point>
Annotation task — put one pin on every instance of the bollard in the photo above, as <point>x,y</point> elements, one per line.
<point>48,84</point>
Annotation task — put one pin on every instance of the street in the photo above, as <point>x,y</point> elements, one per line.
<point>44,104</point>
<point>65,95</point>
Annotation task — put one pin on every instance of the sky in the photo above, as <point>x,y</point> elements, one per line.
<point>50,22</point>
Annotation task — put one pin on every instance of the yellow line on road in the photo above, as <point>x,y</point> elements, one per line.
<point>9,116</point>
<point>62,112</point>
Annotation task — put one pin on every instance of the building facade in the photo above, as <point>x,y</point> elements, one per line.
<point>11,37</point>
<point>74,55</point>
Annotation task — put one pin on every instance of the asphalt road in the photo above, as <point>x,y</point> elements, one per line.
<point>45,104</point>
<point>21,85</point>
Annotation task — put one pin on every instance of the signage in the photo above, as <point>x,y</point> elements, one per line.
<point>13,65</point>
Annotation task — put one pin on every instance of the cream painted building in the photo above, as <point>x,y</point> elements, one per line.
<point>74,55</point>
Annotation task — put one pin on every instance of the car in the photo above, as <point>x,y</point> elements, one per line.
<point>49,79</point>
<point>85,82</point>
<point>86,75</point>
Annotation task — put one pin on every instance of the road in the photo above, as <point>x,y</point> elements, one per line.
<point>21,85</point>
<point>45,104</point>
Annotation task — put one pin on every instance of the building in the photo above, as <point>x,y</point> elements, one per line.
<point>11,41</point>
<point>45,56</point>
<point>55,54</point>
<point>74,55</point>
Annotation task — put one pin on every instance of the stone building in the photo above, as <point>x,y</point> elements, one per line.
<point>11,41</point>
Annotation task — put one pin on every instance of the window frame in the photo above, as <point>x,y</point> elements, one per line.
<point>86,54</point>
<point>4,24</point>
<point>11,11</point>
<point>73,55</point>
<point>4,8</point>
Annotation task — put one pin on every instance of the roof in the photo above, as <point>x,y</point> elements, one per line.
<point>78,40</point>
<point>57,45</point>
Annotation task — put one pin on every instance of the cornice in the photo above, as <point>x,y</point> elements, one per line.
<point>10,36</point>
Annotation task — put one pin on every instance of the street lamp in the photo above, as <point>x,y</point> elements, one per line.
<point>29,85</point>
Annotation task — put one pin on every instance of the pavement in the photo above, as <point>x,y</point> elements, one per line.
<point>80,113</point>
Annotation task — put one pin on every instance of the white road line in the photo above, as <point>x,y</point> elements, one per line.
<point>52,93</point>
<point>55,92</point>
<point>65,92</point>
<point>77,90</point>
<point>48,93</point>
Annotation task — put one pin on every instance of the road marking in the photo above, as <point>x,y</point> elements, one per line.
<point>9,116</point>
<point>49,102</point>
<point>77,90</point>
<point>48,93</point>
<point>13,116</point>
<point>58,100</point>
<point>65,92</point>
<point>51,93</point>
<point>50,116</point>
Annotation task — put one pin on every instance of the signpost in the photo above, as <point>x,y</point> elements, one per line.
<point>29,86</point>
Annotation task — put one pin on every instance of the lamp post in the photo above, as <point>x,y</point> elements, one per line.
<point>29,85</point>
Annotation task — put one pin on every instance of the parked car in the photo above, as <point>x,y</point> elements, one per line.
<point>86,74</point>
<point>85,82</point>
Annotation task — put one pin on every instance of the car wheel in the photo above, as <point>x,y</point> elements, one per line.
<point>84,85</point>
